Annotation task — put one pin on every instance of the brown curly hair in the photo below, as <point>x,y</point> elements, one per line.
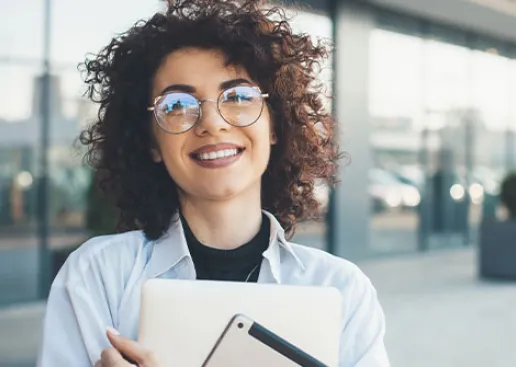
<point>284,64</point>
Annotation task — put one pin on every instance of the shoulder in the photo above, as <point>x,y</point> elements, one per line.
<point>316,259</point>
<point>317,267</point>
<point>323,268</point>
<point>100,254</point>
<point>363,320</point>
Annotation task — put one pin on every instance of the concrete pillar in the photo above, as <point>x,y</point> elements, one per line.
<point>349,220</point>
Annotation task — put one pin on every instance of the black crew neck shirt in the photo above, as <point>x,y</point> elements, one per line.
<point>237,264</point>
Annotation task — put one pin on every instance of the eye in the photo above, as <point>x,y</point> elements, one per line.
<point>239,98</point>
<point>175,104</point>
<point>240,95</point>
<point>175,108</point>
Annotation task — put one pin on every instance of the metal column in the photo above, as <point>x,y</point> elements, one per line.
<point>43,216</point>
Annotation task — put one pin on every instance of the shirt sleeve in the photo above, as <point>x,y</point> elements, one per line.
<point>76,317</point>
<point>362,339</point>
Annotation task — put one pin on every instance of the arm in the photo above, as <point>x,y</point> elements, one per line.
<point>76,317</point>
<point>362,343</point>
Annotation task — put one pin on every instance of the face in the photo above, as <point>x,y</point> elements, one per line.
<point>214,160</point>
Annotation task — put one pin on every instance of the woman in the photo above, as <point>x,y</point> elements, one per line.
<point>210,137</point>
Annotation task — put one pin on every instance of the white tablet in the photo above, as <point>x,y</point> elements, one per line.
<point>181,320</point>
<point>247,343</point>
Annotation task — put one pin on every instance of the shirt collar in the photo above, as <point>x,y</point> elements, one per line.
<point>170,252</point>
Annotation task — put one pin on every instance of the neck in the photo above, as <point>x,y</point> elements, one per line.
<point>223,224</point>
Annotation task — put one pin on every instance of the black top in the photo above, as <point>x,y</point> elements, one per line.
<point>234,265</point>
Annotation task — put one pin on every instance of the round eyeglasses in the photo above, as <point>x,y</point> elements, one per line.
<point>178,112</point>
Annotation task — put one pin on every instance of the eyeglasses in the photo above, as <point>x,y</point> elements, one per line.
<point>178,112</point>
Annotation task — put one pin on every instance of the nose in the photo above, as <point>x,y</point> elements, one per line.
<point>210,122</point>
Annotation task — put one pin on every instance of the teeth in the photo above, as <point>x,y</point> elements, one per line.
<point>218,154</point>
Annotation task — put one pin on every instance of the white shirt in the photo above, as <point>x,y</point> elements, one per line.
<point>99,286</point>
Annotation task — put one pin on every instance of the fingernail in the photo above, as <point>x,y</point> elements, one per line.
<point>112,331</point>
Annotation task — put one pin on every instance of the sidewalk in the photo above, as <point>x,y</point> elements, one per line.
<point>20,330</point>
<point>438,314</point>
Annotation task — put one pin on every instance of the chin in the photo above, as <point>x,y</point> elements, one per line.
<point>221,193</point>
<point>224,191</point>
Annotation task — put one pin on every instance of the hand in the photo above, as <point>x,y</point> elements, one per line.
<point>125,353</point>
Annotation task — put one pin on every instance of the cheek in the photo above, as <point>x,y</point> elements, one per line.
<point>271,127</point>
<point>170,147</point>
<point>262,141</point>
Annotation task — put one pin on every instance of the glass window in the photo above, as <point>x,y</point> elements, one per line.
<point>443,124</point>
<point>73,35</point>
<point>510,153</point>
<point>447,101</point>
<point>395,112</point>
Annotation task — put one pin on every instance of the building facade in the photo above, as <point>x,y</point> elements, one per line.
<point>422,90</point>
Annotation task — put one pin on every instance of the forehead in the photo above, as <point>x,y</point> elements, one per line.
<point>202,69</point>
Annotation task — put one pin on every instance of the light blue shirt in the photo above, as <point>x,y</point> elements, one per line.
<point>99,286</point>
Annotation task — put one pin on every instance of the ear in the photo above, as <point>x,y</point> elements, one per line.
<point>273,138</point>
<point>155,151</point>
<point>156,155</point>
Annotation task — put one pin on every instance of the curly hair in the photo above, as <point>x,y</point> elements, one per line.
<point>284,64</point>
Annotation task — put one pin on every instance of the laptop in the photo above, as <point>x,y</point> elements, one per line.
<point>182,320</point>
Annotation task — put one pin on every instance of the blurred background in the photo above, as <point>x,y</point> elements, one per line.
<point>425,95</point>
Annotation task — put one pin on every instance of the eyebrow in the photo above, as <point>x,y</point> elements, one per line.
<point>190,89</point>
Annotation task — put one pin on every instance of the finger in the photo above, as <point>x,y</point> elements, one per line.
<point>112,358</point>
<point>131,349</point>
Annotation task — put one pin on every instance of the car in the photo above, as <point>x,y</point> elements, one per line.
<point>388,193</point>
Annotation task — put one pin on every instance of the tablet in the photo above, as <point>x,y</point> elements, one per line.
<point>247,343</point>
<point>181,320</point>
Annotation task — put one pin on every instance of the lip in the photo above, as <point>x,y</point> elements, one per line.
<point>220,162</point>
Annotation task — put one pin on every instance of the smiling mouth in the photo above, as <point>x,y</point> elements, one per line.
<point>219,154</point>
